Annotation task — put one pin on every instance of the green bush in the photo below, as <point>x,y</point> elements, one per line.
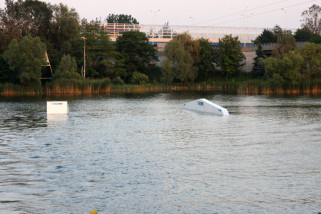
<point>118,81</point>
<point>139,78</point>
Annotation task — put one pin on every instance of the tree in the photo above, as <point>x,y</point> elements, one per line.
<point>26,58</point>
<point>139,78</point>
<point>100,52</point>
<point>206,68</point>
<point>136,51</point>
<point>311,54</point>
<point>121,18</point>
<point>67,68</point>
<point>303,35</point>
<point>192,46</point>
<point>258,67</point>
<point>269,36</point>
<point>6,75</point>
<point>179,64</point>
<point>285,68</point>
<point>21,18</point>
<point>36,17</point>
<point>229,56</point>
<point>286,43</point>
<point>311,19</point>
<point>315,39</point>
<point>65,27</point>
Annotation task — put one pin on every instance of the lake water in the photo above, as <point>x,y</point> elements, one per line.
<point>142,153</point>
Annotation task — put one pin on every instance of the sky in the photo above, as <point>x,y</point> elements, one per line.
<point>226,13</point>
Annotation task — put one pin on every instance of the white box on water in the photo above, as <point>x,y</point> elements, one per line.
<point>57,107</point>
<point>203,105</point>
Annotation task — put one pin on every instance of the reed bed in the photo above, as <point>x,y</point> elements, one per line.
<point>245,87</point>
<point>9,89</point>
<point>76,87</point>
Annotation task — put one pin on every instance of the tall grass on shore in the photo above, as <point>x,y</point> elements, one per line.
<point>263,87</point>
<point>246,87</point>
<point>71,86</point>
<point>9,89</point>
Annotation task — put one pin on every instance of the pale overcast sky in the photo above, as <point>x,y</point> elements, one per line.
<point>228,13</point>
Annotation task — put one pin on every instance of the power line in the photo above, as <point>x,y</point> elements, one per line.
<point>263,6</point>
<point>237,19</point>
<point>237,13</point>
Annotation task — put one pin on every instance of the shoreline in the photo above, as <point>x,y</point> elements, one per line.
<point>230,88</point>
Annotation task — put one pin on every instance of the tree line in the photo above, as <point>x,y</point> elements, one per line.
<point>31,29</point>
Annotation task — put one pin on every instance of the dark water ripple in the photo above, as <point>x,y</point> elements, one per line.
<point>144,154</point>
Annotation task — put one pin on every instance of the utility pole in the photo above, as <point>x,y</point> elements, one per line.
<point>84,38</point>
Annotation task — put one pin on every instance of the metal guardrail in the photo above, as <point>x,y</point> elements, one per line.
<point>164,33</point>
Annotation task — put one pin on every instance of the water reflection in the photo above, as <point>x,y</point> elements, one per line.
<point>56,118</point>
<point>145,154</point>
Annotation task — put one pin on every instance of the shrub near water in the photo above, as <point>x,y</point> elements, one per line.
<point>139,78</point>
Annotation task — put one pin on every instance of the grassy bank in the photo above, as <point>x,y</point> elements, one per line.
<point>246,87</point>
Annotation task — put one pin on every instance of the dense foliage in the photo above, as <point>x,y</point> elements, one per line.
<point>205,65</point>
<point>228,56</point>
<point>179,64</point>
<point>121,18</point>
<point>135,51</point>
<point>30,29</point>
<point>258,67</point>
<point>299,64</point>
<point>25,59</point>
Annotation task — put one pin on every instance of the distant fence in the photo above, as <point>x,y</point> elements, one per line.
<point>164,33</point>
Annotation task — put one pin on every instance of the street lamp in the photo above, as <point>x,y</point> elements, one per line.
<point>84,38</point>
<point>193,20</point>
<point>245,26</point>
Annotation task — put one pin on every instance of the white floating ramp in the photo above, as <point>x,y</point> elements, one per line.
<point>57,107</point>
<point>203,105</point>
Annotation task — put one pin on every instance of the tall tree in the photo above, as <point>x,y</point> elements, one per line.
<point>311,19</point>
<point>6,75</point>
<point>269,35</point>
<point>67,68</point>
<point>136,51</point>
<point>286,43</point>
<point>21,18</point>
<point>36,17</point>
<point>26,58</point>
<point>65,27</point>
<point>205,65</point>
<point>229,57</point>
<point>258,67</point>
<point>100,52</point>
<point>285,68</point>
<point>311,54</point>
<point>121,18</point>
<point>179,64</point>
<point>191,45</point>
<point>303,35</point>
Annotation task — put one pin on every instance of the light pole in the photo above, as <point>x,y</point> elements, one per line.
<point>155,16</point>
<point>245,25</point>
<point>286,19</point>
<point>153,24</point>
<point>84,38</point>
<point>193,20</point>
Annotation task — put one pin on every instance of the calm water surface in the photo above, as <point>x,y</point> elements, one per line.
<point>144,154</point>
